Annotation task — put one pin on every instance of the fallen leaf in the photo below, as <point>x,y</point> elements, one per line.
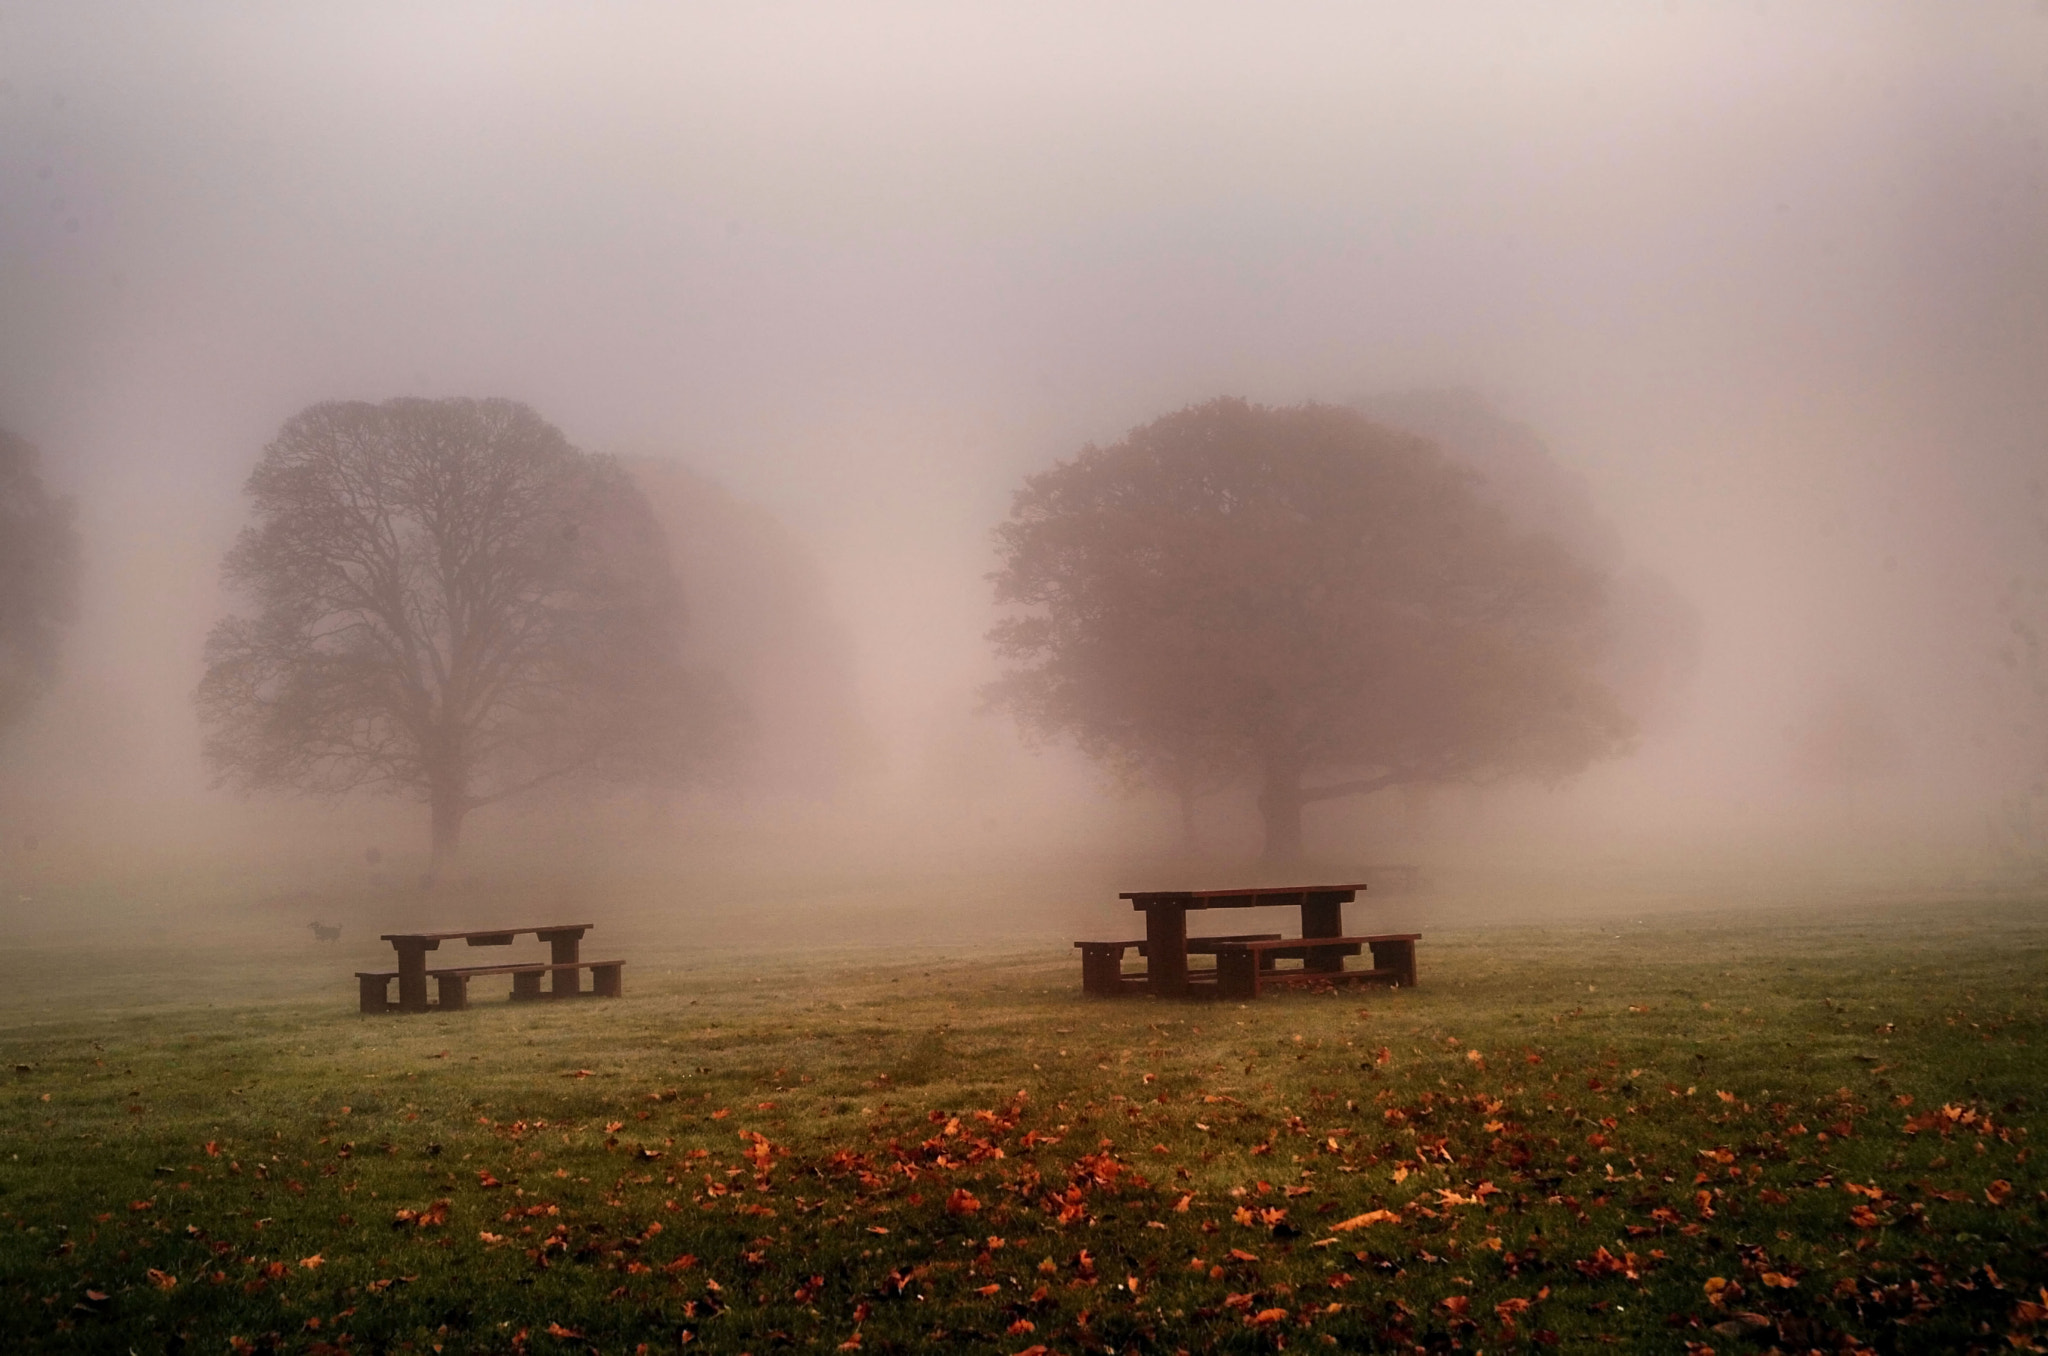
<point>1368,1218</point>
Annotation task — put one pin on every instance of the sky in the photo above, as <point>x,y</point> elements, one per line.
<point>1772,278</point>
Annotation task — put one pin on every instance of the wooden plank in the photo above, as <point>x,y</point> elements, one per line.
<point>1197,946</point>
<point>1238,898</point>
<point>1319,942</point>
<point>521,967</point>
<point>483,932</point>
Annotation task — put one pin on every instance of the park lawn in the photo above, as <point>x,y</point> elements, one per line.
<point>1803,1133</point>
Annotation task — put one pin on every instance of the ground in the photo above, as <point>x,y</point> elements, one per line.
<point>1807,1132</point>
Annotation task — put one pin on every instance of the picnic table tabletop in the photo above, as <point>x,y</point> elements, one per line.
<point>1240,898</point>
<point>484,936</point>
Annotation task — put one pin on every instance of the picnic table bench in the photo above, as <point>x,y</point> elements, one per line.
<point>1245,962</point>
<point>1102,963</point>
<point>563,969</point>
<point>1243,969</point>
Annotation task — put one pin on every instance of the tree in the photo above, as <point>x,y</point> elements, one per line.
<point>450,602</point>
<point>38,578</point>
<point>1652,640</point>
<point>1298,598</point>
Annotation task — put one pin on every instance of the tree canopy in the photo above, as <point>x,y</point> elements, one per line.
<point>1300,599</point>
<point>39,563</point>
<point>449,602</point>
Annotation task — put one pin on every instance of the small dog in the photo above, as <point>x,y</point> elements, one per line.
<point>323,933</point>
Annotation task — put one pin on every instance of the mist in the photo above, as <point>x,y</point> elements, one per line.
<point>1766,290</point>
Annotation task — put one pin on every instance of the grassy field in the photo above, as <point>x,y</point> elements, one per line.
<point>1731,1134</point>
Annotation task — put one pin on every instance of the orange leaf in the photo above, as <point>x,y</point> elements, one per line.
<point>162,1280</point>
<point>1369,1217</point>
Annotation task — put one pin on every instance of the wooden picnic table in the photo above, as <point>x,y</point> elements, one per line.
<point>1167,945</point>
<point>563,967</point>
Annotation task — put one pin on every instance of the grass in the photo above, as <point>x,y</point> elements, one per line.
<point>1738,1134</point>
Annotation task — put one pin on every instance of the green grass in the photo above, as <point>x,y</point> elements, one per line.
<point>1573,1130</point>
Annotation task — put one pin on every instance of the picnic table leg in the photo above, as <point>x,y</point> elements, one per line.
<point>1102,969</point>
<point>454,992</point>
<point>1237,972</point>
<point>567,946</point>
<point>1166,950</point>
<point>375,993</point>
<point>1322,915</point>
<point>607,981</point>
<point>412,974</point>
<point>1398,957</point>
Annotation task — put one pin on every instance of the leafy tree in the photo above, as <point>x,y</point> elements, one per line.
<point>38,578</point>
<point>1651,629</point>
<point>1297,598</point>
<point>452,603</point>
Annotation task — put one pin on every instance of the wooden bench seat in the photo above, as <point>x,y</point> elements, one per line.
<point>1102,963</point>
<point>1243,970</point>
<point>607,980</point>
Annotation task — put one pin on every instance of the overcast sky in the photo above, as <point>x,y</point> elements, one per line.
<point>1772,277</point>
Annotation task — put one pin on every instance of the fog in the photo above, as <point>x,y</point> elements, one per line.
<point>1768,284</point>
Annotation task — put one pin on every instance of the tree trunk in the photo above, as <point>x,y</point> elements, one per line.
<point>447,807</point>
<point>1280,803</point>
<point>1189,844</point>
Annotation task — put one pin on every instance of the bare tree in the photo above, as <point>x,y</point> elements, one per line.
<point>1301,599</point>
<point>452,603</point>
<point>38,578</point>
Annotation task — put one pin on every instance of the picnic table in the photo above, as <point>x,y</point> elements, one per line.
<point>563,969</point>
<point>1244,962</point>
